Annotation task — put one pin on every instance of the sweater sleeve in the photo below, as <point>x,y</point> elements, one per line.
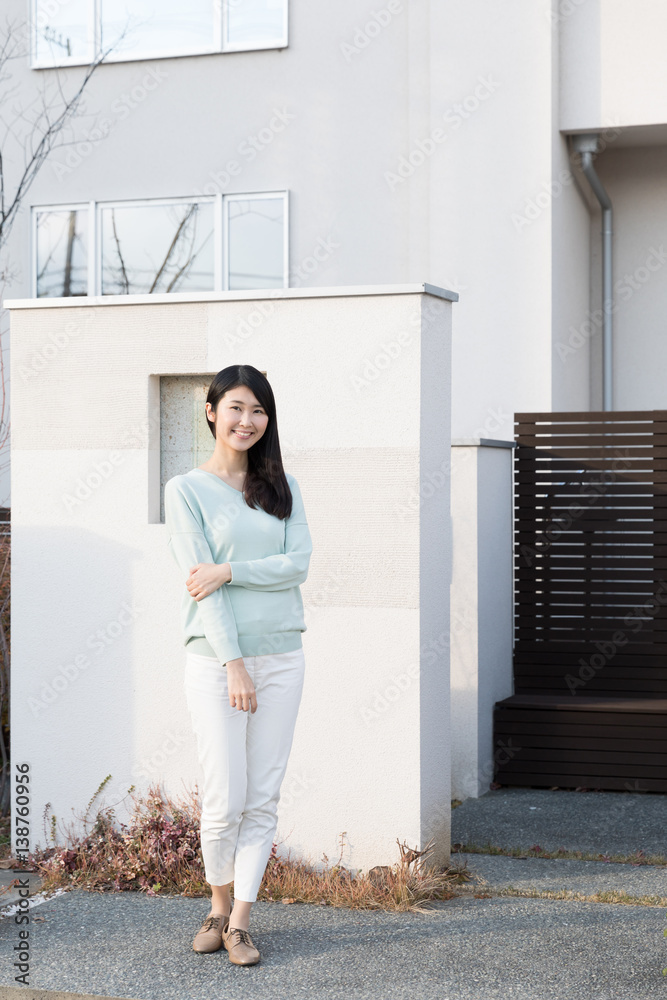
<point>188,545</point>
<point>283,570</point>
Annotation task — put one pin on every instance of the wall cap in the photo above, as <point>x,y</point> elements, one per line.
<point>482,443</point>
<point>259,294</point>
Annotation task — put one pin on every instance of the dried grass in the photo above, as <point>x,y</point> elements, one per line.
<point>158,852</point>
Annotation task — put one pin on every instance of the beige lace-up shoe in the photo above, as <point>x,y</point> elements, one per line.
<point>239,944</point>
<point>209,935</point>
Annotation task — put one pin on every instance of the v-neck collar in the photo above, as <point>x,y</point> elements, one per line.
<point>207,473</point>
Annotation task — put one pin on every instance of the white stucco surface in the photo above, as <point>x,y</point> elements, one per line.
<point>363,394</point>
<point>481,607</point>
<point>612,63</point>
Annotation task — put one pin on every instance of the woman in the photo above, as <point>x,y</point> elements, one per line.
<point>238,531</point>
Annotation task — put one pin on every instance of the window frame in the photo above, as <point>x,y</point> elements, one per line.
<point>220,46</point>
<point>94,255</point>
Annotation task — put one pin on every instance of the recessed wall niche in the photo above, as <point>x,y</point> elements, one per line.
<point>185,438</point>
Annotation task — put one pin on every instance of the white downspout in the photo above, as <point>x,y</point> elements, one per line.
<point>587,146</point>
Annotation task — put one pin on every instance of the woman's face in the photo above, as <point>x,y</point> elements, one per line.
<point>240,421</point>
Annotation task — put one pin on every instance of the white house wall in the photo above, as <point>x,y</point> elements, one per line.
<point>480,72</point>
<point>365,429</point>
<point>635,181</point>
<point>613,63</point>
<point>481,606</point>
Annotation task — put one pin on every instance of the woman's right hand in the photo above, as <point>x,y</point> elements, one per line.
<point>240,686</point>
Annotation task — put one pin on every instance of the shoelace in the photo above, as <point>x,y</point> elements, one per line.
<point>243,936</point>
<point>210,923</point>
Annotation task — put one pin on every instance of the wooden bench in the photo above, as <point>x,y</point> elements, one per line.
<point>581,741</point>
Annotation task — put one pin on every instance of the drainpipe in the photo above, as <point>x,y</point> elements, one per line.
<point>587,146</point>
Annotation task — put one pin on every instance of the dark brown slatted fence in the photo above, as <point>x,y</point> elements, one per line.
<point>590,602</point>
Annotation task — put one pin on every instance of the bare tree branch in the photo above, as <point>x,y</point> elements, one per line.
<point>44,131</point>
<point>41,132</point>
<point>172,246</point>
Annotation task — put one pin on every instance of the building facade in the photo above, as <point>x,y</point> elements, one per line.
<point>271,144</point>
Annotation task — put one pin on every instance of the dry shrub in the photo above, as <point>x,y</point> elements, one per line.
<point>405,885</point>
<point>159,852</point>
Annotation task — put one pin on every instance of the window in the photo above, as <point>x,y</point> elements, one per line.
<point>61,259</point>
<point>156,248</point>
<point>161,245</point>
<point>60,33</point>
<point>249,22</point>
<point>71,32</point>
<point>255,242</point>
<point>157,26</point>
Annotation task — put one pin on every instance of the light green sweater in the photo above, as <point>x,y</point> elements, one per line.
<point>260,610</point>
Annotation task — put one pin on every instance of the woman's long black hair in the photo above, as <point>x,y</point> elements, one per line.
<point>266,485</point>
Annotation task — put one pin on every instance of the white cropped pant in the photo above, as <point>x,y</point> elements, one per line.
<point>244,758</point>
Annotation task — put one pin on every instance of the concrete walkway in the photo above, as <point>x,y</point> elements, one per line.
<point>588,878</point>
<point>595,822</point>
<point>478,946</point>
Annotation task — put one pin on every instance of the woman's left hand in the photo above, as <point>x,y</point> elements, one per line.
<point>205,578</point>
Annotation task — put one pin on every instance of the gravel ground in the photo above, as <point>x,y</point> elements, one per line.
<point>552,875</point>
<point>598,822</point>
<point>129,945</point>
<point>133,946</point>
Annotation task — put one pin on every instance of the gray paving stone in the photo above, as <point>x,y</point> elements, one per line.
<point>595,822</point>
<point>556,874</point>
